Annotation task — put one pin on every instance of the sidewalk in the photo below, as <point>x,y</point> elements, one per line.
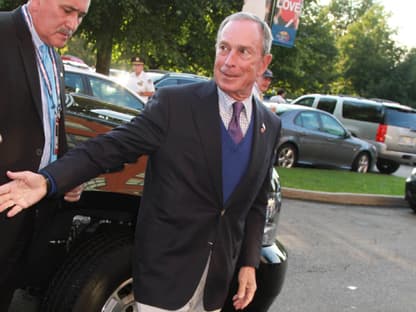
<point>345,198</point>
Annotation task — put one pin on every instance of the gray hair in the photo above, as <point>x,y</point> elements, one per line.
<point>239,16</point>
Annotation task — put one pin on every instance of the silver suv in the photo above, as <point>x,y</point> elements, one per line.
<point>391,127</point>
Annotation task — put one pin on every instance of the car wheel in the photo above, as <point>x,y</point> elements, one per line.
<point>361,163</point>
<point>387,166</point>
<point>101,266</point>
<point>287,156</point>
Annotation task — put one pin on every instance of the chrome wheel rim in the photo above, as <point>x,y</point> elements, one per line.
<point>286,157</point>
<point>122,299</point>
<point>363,163</point>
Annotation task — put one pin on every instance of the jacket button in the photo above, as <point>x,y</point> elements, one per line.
<point>222,212</point>
<point>39,152</point>
<point>210,244</point>
<point>1,138</point>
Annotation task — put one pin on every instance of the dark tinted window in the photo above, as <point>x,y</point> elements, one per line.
<point>327,105</point>
<point>305,101</point>
<point>400,118</point>
<point>362,110</point>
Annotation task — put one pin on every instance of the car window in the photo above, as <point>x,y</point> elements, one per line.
<point>167,82</point>
<point>113,93</point>
<point>307,120</point>
<point>400,118</point>
<point>73,83</point>
<point>327,104</point>
<point>361,110</point>
<point>331,126</point>
<point>305,101</point>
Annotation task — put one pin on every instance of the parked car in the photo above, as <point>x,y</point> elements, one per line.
<point>315,137</point>
<point>85,264</point>
<point>174,79</point>
<point>391,127</point>
<point>88,84</point>
<point>410,189</point>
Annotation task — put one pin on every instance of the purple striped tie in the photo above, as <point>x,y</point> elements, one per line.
<point>234,128</point>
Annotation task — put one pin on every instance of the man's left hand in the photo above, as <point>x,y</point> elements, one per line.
<point>246,287</point>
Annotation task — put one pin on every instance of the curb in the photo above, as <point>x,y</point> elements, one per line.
<point>345,198</point>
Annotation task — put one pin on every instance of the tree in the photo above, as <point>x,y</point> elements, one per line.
<point>173,33</point>
<point>367,53</point>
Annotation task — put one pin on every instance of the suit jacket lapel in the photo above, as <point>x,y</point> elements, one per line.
<point>207,121</point>
<point>28,56</point>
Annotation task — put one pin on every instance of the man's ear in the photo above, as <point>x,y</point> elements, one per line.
<point>267,59</point>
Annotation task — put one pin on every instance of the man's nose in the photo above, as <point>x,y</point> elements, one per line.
<point>231,57</point>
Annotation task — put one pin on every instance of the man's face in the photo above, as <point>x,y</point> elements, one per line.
<point>138,68</point>
<point>239,58</point>
<point>264,83</point>
<point>56,20</point>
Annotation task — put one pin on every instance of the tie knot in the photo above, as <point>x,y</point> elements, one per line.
<point>237,108</point>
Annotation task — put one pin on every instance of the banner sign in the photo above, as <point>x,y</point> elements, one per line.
<point>282,16</point>
<point>285,21</point>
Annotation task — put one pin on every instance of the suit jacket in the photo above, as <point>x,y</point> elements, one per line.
<point>21,130</point>
<point>182,218</point>
<point>21,125</point>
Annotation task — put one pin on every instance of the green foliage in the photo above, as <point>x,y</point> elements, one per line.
<point>367,52</point>
<point>344,47</point>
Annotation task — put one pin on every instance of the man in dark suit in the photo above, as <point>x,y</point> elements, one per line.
<point>31,109</point>
<point>211,148</point>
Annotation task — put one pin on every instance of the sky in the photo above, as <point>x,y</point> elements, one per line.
<point>401,19</point>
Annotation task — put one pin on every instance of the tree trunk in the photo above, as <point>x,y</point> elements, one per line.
<point>104,49</point>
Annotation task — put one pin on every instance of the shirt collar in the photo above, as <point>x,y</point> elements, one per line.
<point>227,102</point>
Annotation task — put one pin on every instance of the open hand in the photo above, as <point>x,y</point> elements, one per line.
<point>25,190</point>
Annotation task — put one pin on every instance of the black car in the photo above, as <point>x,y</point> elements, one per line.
<point>82,261</point>
<point>410,189</point>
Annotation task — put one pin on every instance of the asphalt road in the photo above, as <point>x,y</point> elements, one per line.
<point>347,258</point>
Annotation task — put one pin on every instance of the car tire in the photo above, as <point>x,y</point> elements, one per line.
<point>102,267</point>
<point>287,156</point>
<point>361,163</point>
<point>387,166</point>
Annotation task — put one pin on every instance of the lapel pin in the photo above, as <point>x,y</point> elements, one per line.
<point>263,128</point>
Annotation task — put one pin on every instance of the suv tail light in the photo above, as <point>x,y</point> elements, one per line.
<point>381,133</point>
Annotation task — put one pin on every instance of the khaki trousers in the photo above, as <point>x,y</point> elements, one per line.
<point>196,304</point>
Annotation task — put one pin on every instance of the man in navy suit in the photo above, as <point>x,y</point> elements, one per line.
<point>203,208</point>
<point>31,115</point>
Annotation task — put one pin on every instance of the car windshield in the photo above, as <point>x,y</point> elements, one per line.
<point>400,118</point>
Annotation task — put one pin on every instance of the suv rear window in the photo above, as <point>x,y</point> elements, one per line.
<point>400,118</point>
<point>361,110</point>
